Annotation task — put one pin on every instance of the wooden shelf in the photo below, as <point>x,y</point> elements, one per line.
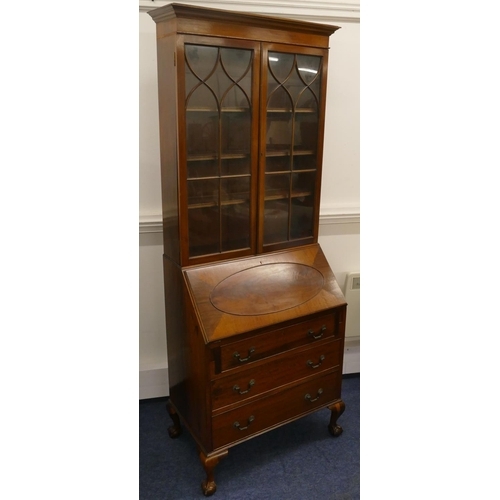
<point>214,157</point>
<point>291,111</point>
<point>224,203</point>
<point>215,110</point>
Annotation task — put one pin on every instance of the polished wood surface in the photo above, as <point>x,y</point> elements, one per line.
<point>259,289</point>
<point>245,350</point>
<point>217,325</point>
<point>276,408</point>
<point>255,318</point>
<point>208,21</point>
<point>246,384</point>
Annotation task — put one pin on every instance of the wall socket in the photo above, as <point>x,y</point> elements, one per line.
<point>355,283</point>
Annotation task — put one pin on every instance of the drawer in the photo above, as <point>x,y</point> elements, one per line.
<point>277,408</point>
<point>246,351</point>
<point>279,370</point>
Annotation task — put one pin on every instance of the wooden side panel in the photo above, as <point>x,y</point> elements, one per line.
<point>177,345</point>
<point>167,98</point>
<point>198,395</point>
<point>219,325</point>
<point>188,358</point>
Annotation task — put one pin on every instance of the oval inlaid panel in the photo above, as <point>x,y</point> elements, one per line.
<point>268,288</point>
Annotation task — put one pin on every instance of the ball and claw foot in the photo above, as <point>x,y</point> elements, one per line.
<point>208,488</point>
<point>174,431</point>
<point>336,430</point>
<point>209,462</point>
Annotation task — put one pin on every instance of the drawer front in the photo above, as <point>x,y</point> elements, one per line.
<point>269,411</point>
<point>246,351</point>
<point>250,382</point>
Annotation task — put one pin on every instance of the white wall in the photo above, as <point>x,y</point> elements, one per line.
<point>339,217</point>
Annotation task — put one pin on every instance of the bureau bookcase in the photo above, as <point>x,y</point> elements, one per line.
<point>255,317</point>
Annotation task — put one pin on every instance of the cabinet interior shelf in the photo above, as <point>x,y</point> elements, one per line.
<point>213,203</point>
<point>297,110</point>
<point>282,195</point>
<point>217,177</point>
<point>296,152</point>
<point>297,171</point>
<point>213,157</point>
<point>215,110</point>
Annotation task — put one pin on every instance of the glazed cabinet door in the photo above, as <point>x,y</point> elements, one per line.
<point>291,144</point>
<point>218,154</point>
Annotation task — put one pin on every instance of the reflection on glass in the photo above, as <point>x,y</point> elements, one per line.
<point>303,183</point>
<point>276,217</point>
<point>203,192</point>
<point>293,103</point>
<point>277,186</point>
<point>235,230</point>
<point>202,133</point>
<point>302,210</point>
<point>236,132</point>
<point>235,189</point>
<point>202,168</point>
<point>204,230</point>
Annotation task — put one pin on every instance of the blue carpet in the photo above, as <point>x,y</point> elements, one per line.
<point>300,460</point>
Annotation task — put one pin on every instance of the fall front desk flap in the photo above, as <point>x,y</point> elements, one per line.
<point>256,292</point>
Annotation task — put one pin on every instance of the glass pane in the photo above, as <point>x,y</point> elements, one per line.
<point>201,60</point>
<point>202,168</point>
<point>279,100</point>
<point>304,162</point>
<point>235,226</point>
<point>277,163</point>
<point>203,192</point>
<point>277,186</point>
<point>280,65</point>
<point>201,97</point>
<point>308,67</point>
<point>307,101</point>
<point>276,221</point>
<point>302,217</point>
<point>236,62</point>
<point>303,184</point>
<point>219,143</point>
<point>236,133</point>
<point>279,132</point>
<point>235,190</point>
<point>294,86</point>
<point>202,133</point>
<point>306,132</point>
<point>204,230</point>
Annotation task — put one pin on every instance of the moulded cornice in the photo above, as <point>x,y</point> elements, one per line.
<point>314,10</point>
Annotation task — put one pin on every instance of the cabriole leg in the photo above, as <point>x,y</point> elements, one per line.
<point>176,429</point>
<point>209,462</point>
<point>337,409</point>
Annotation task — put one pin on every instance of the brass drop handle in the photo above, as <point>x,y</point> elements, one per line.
<point>308,396</point>
<point>250,352</point>
<point>322,330</point>
<point>251,418</point>
<point>321,359</point>
<point>236,388</point>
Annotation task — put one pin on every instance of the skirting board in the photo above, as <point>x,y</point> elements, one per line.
<point>153,383</point>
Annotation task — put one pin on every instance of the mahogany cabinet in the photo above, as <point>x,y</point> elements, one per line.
<point>255,318</point>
